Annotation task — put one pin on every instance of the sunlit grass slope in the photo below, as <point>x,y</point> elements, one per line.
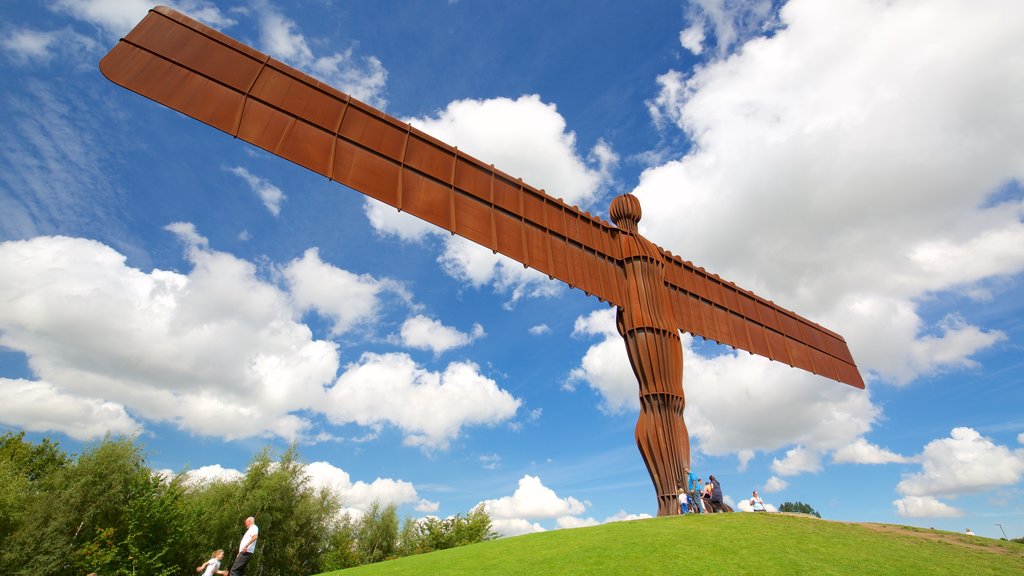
<point>721,544</point>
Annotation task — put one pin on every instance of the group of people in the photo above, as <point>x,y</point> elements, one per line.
<point>698,497</point>
<point>246,548</point>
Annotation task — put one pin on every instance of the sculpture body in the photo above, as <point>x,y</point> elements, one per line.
<point>198,71</point>
<point>656,356</point>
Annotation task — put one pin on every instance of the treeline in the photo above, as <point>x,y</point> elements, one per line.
<point>106,511</point>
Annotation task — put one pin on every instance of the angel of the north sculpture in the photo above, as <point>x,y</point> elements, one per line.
<point>191,68</point>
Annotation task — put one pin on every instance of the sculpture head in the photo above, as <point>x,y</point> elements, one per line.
<point>625,212</point>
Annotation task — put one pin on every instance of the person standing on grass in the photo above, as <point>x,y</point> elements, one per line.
<point>716,494</point>
<point>246,547</point>
<point>693,491</point>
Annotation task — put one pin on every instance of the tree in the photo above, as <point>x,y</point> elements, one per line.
<point>378,533</point>
<point>295,520</point>
<point>799,508</point>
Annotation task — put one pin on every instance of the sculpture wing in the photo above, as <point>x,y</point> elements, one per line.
<point>196,70</point>
<point>705,305</point>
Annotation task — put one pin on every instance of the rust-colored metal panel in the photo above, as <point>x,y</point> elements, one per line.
<point>473,219</point>
<point>374,175</point>
<point>823,364</point>
<point>779,350</point>
<point>426,199</point>
<point>738,325</point>
<point>800,354</point>
<point>473,179</point>
<point>758,340</point>
<point>366,130</point>
<point>509,234</point>
<point>428,159</point>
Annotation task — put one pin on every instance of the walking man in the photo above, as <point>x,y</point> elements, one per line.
<point>246,547</point>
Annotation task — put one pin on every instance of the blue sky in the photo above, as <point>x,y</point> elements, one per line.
<point>858,162</point>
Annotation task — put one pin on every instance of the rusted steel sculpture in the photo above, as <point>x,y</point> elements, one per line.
<point>200,72</point>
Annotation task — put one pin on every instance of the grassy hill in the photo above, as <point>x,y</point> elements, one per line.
<point>761,544</point>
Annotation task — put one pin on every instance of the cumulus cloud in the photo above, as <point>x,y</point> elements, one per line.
<point>623,516</point>
<point>863,452</point>
<point>212,473</point>
<point>364,77</point>
<point>925,507</point>
<point>797,461</point>
<point>356,497</point>
<point>852,185</point>
<point>347,299</point>
<point>270,195</point>
<point>117,17</point>
<point>426,333</point>
<point>605,366</point>
<point>27,46</point>
<point>41,407</point>
<point>539,329</point>
<point>727,21</point>
<point>202,350</point>
<point>775,484</point>
<point>531,501</point>
<point>965,462</point>
<point>429,407</point>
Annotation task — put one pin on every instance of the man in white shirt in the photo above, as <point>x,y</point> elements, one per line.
<point>246,547</point>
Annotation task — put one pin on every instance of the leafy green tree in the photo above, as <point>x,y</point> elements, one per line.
<point>377,538</point>
<point>341,548</point>
<point>799,507</point>
<point>294,519</point>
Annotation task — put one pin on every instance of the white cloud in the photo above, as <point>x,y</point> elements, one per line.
<point>623,516</point>
<point>574,522</point>
<point>362,77</point>
<point>270,195</point>
<point>965,462</point>
<point>605,366</point>
<point>863,452</point>
<point>692,38</point>
<point>539,329</point>
<point>490,461</point>
<point>515,526</point>
<point>797,461</point>
<point>426,333</point>
<point>206,351</point>
<point>531,501</point>
<point>852,185</point>
<point>41,407</point>
<point>212,473</point>
<point>729,21</point>
<point>357,496</point>
<point>117,17</point>
<point>27,46</point>
<point>775,484</point>
<point>1020,438</point>
<point>431,408</point>
<point>348,299</point>
<point>925,507</point>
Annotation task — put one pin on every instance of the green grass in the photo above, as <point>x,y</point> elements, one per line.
<point>761,544</point>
